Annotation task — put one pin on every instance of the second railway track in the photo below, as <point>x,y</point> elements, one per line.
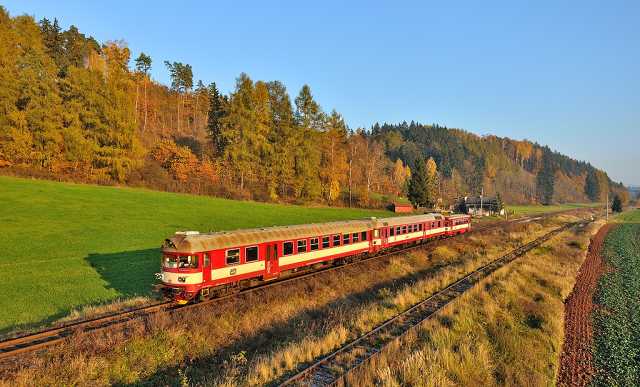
<point>31,342</point>
<point>333,368</point>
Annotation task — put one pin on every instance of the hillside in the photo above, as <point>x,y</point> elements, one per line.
<point>68,245</point>
<point>520,171</point>
<point>75,109</point>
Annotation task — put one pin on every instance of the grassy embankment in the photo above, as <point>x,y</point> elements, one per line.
<point>258,338</point>
<point>508,330</point>
<point>68,245</point>
<point>617,319</point>
<point>523,210</point>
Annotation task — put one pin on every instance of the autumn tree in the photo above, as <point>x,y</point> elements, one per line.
<point>181,82</point>
<point>433,182</point>
<point>30,105</point>
<point>401,174</point>
<point>333,161</point>
<point>245,128</point>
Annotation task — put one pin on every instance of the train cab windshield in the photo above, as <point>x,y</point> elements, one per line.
<point>180,261</point>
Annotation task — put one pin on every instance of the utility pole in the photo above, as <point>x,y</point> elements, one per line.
<point>606,207</point>
<point>481,195</point>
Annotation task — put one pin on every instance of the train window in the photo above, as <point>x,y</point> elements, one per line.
<point>398,230</point>
<point>336,240</point>
<point>251,254</point>
<point>206,260</point>
<point>325,242</point>
<point>420,227</point>
<point>345,239</point>
<point>313,243</point>
<point>354,237</point>
<point>376,233</point>
<point>287,248</point>
<point>404,229</point>
<point>302,246</point>
<point>187,262</point>
<point>363,235</point>
<point>170,261</point>
<point>392,231</point>
<point>233,256</point>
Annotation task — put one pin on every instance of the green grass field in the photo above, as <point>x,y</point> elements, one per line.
<point>68,245</point>
<point>521,210</point>
<point>617,317</point>
<point>632,216</point>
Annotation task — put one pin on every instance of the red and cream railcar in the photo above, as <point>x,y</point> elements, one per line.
<point>197,265</point>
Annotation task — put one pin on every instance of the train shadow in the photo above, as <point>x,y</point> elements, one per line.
<point>262,342</point>
<point>129,273</point>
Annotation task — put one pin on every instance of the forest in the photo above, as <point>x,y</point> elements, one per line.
<point>75,109</point>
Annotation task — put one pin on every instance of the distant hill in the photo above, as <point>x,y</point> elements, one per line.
<point>520,171</point>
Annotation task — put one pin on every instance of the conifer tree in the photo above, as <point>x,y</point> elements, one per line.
<point>418,185</point>
<point>143,65</point>
<point>616,205</point>
<point>545,179</point>
<point>281,163</point>
<point>309,120</point>
<point>591,186</point>
<point>214,119</point>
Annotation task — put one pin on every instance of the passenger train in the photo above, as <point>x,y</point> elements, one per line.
<point>196,265</point>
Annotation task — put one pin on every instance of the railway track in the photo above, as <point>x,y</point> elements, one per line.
<point>333,368</point>
<point>31,342</point>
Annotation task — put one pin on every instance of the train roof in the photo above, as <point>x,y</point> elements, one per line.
<point>197,242</point>
<point>398,220</point>
<point>458,216</point>
<point>191,242</point>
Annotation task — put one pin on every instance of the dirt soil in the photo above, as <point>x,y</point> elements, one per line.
<point>576,360</point>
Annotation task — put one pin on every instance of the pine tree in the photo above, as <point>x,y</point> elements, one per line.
<point>214,120</point>
<point>281,163</point>
<point>545,179</point>
<point>616,205</point>
<point>591,186</point>
<point>309,120</point>
<point>181,82</point>
<point>143,65</point>
<point>418,185</point>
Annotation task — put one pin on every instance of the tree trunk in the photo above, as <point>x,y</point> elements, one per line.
<point>146,106</point>
<point>135,116</point>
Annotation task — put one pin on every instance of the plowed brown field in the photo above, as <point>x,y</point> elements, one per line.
<point>576,360</point>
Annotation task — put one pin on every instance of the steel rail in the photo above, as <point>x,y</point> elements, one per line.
<point>333,368</point>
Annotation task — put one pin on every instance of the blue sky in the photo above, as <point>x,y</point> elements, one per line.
<point>564,74</point>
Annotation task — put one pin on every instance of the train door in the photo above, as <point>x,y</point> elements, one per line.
<point>206,267</point>
<point>272,260</point>
<point>384,236</point>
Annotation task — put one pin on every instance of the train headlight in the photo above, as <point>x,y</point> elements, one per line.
<point>182,279</point>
